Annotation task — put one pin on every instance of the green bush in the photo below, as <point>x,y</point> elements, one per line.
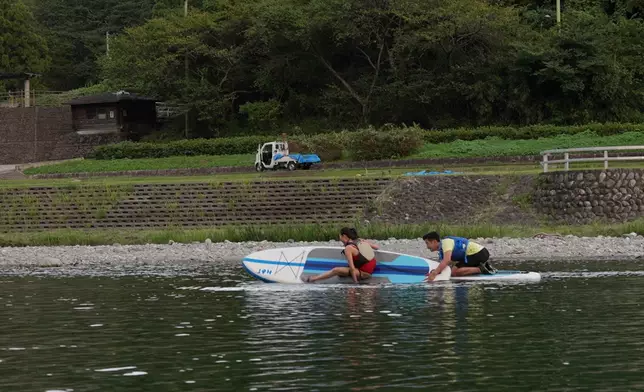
<point>370,144</point>
<point>329,147</point>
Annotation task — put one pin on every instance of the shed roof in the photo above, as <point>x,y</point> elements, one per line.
<point>109,98</point>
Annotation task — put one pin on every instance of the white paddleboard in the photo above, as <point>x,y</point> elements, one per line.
<point>292,265</point>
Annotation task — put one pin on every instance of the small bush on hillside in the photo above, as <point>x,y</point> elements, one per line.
<point>329,147</point>
<point>370,144</point>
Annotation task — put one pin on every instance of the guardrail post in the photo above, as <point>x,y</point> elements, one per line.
<point>567,164</point>
<point>545,163</point>
<point>606,159</point>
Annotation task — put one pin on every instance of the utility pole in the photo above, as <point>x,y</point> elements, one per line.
<point>185,14</point>
<point>558,11</point>
<point>107,43</point>
<point>27,92</point>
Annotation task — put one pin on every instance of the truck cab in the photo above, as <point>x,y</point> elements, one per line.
<point>275,155</point>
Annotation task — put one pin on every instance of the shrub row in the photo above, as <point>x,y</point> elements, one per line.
<point>328,146</point>
<point>528,132</point>
<point>366,144</point>
<point>190,147</point>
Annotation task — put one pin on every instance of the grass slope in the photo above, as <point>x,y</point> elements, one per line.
<point>490,147</point>
<point>496,147</point>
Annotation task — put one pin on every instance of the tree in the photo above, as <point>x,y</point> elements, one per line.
<point>76,33</point>
<point>346,63</point>
<point>589,70</point>
<point>151,59</point>
<point>632,9</point>
<point>388,61</point>
<point>22,49</point>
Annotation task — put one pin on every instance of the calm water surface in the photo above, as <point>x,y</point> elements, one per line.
<point>578,329</point>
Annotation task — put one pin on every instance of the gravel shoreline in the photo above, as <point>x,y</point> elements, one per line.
<point>203,257</point>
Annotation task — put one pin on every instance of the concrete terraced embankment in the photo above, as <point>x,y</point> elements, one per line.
<point>575,198</point>
<point>187,205</point>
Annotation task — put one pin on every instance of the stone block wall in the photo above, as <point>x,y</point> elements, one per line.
<point>613,195</point>
<point>187,205</point>
<point>39,134</point>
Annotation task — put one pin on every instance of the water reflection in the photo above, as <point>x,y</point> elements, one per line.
<point>226,332</point>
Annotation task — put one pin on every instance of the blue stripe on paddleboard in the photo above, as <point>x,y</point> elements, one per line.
<point>379,274</point>
<point>254,275</point>
<point>327,264</point>
<point>408,260</point>
<point>413,265</point>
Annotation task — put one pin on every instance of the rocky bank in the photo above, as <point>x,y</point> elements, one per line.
<point>173,259</point>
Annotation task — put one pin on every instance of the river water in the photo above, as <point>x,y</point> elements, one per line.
<point>580,328</point>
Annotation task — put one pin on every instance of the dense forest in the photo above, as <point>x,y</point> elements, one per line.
<point>258,65</point>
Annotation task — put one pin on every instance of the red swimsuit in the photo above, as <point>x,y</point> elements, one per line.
<point>369,267</point>
<point>362,263</point>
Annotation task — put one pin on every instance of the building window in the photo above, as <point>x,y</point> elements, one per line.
<point>102,114</point>
<point>111,113</point>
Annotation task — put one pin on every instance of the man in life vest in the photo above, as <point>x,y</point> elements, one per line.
<point>471,258</point>
<point>360,257</point>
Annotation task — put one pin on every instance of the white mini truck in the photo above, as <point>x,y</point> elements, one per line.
<point>275,155</point>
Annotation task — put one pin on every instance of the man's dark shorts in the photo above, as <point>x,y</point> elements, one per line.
<point>479,259</point>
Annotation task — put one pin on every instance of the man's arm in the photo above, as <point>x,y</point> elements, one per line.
<point>447,259</point>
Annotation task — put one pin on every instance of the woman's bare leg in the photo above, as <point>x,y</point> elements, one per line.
<point>337,271</point>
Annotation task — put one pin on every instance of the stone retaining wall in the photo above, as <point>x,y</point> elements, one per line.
<point>188,205</point>
<point>613,195</point>
<point>39,134</point>
<point>575,197</point>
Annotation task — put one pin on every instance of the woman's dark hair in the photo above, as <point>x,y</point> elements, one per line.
<point>349,232</point>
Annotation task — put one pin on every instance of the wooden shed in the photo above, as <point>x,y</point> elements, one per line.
<point>126,113</point>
